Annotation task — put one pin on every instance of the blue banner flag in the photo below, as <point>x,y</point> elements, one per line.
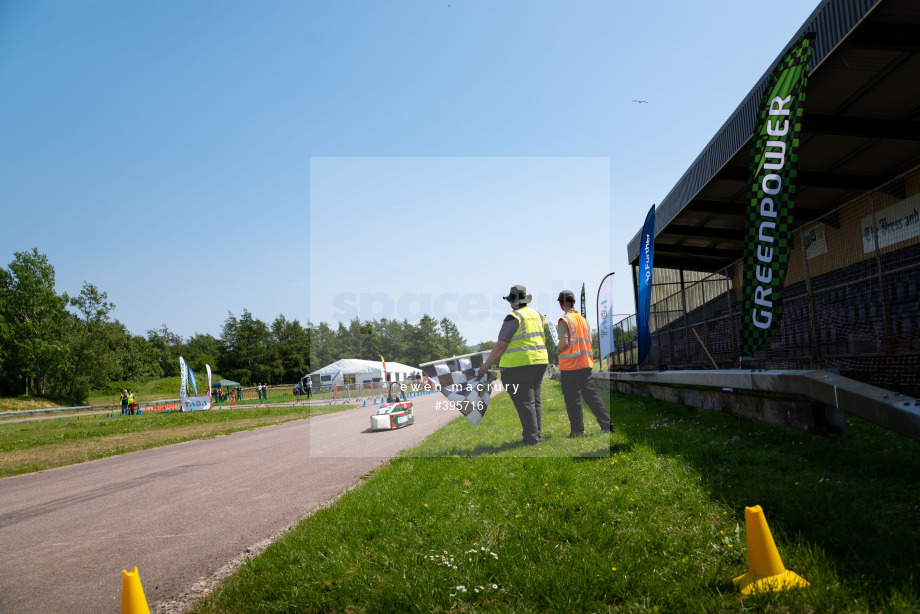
<point>646,269</point>
<point>191,381</point>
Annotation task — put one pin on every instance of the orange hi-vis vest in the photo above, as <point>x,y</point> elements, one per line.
<point>578,354</point>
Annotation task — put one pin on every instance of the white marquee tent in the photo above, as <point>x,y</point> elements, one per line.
<point>362,371</point>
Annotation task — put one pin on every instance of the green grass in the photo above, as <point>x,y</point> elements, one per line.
<point>653,524</point>
<point>37,445</point>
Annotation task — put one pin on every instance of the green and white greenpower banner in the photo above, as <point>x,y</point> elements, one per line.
<point>774,161</point>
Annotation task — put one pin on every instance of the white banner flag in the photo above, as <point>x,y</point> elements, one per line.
<point>183,372</point>
<point>605,317</point>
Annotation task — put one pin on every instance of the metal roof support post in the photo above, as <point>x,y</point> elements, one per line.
<point>812,316</point>
<point>683,301</point>
<point>735,345</point>
<point>635,274</point>
<point>670,331</point>
<point>882,283</point>
<point>661,362</point>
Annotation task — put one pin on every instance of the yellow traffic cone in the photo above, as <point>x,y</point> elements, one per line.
<point>765,567</point>
<point>132,594</point>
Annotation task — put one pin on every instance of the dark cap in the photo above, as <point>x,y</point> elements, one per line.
<point>566,296</point>
<point>518,294</point>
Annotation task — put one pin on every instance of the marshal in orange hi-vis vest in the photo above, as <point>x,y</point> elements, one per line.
<point>578,354</point>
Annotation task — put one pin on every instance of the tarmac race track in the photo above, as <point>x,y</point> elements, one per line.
<point>180,513</point>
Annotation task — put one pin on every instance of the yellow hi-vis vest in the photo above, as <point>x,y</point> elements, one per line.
<point>528,345</point>
<point>578,353</point>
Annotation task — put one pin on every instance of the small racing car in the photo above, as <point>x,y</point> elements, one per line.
<point>394,414</point>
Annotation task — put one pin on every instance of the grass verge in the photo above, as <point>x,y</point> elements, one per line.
<point>36,445</point>
<point>655,524</point>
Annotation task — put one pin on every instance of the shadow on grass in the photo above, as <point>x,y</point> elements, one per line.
<point>478,451</point>
<point>604,452</point>
<point>854,500</point>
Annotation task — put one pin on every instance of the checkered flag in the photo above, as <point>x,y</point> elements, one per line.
<point>459,382</point>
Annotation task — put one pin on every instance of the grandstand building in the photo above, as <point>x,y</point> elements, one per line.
<point>851,294</point>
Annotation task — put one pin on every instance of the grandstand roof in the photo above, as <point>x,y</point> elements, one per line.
<point>861,127</point>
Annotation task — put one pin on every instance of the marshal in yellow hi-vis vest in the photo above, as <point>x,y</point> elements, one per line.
<point>578,353</point>
<point>528,345</point>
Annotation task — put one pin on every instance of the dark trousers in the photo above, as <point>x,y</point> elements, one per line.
<point>523,384</point>
<point>578,385</point>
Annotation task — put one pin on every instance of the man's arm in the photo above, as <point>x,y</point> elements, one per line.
<point>563,344</point>
<point>497,350</point>
<point>563,338</point>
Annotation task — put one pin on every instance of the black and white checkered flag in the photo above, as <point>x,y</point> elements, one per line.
<point>465,390</point>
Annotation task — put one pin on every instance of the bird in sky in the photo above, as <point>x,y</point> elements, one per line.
<point>640,101</point>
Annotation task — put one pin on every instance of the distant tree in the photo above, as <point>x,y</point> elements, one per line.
<point>245,349</point>
<point>289,350</point>
<point>325,347</point>
<point>33,319</point>
<point>92,360</point>
<point>453,342</point>
<point>168,346</point>
<point>137,357</point>
<point>201,350</point>
<point>486,345</point>
<point>359,340</point>
<point>425,342</point>
<point>391,339</point>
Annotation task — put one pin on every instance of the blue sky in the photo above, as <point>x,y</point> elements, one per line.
<point>324,160</point>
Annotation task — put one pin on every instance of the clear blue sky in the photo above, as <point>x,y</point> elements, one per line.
<point>195,158</point>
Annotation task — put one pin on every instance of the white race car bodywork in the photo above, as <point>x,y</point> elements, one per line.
<point>391,416</point>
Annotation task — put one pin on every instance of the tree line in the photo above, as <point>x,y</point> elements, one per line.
<point>64,347</point>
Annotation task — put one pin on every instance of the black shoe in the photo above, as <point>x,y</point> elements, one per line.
<point>573,435</point>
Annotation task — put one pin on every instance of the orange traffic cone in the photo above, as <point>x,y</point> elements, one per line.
<point>765,567</point>
<point>132,594</point>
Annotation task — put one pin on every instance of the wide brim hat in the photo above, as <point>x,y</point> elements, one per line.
<point>518,294</point>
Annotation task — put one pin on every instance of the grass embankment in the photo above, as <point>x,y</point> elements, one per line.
<point>25,402</point>
<point>651,521</point>
<point>36,445</point>
<point>150,390</point>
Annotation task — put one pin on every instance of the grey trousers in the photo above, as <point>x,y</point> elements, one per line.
<point>524,389</point>
<point>578,385</point>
